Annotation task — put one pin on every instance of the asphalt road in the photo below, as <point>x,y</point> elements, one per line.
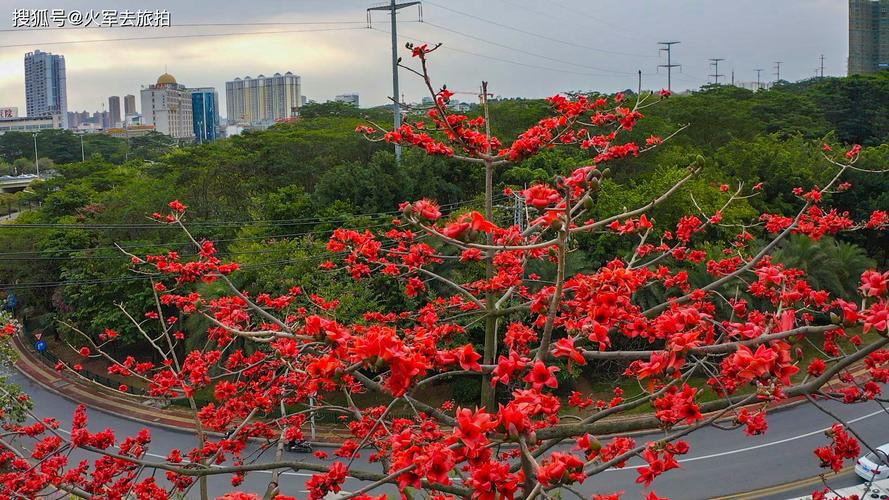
<point>720,462</point>
<point>11,216</point>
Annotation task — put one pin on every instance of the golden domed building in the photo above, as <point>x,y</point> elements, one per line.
<point>167,105</point>
<point>166,79</point>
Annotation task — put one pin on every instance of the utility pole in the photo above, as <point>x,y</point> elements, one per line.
<point>36,160</point>
<point>667,47</point>
<point>758,72</point>
<point>82,155</point>
<point>393,9</point>
<point>822,65</point>
<point>715,63</point>
<point>778,70</point>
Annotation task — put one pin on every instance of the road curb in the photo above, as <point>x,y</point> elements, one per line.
<point>633,425</point>
<point>781,488</point>
<point>39,365</point>
<point>105,409</point>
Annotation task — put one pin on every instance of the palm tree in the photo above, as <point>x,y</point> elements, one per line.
<point>831,265</point>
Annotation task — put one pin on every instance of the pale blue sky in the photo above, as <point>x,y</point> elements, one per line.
<point>593,45</point>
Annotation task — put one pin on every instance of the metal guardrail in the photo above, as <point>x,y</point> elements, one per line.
<point>51,360</point>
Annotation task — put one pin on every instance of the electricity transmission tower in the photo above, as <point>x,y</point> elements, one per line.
<point>518,212</point>
<point>392,7</point>
<point>758,72</point>
<point>667,47</point>
<point>778,70</point>
<point>715,63</point>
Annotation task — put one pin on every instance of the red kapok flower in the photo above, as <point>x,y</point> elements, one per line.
<point>177,206</point>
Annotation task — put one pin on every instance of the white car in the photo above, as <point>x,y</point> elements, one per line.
<point>872,467</point>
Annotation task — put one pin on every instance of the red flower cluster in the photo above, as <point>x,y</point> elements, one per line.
<point>268,353</point>
<point>844,447</point>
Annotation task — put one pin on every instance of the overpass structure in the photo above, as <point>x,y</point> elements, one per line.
<point>15,183</point>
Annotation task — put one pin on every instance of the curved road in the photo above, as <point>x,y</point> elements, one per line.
<point>720,462</point>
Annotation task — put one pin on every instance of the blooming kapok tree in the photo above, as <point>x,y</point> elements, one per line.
<point>525,446</point>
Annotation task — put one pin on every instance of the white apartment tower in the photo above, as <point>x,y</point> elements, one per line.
<point>262,100</point>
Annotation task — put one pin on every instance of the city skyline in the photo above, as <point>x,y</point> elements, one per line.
<point>748,36</point>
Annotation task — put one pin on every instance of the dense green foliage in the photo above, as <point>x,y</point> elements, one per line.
<point>270,198</point>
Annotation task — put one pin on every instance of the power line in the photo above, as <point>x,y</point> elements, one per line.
<point>232,225</point>
<point>308,221</point>
<point>538,35</point>
<point>446,207</point>
<point>158,225</point>
<point>178,25</point>
<point>16,255</point>
<point>12,256</point>
<point>618,30</point>
<point>221,225</point>
<point>493,58</point>
<point>121,256</point>
<point>508,47</point>
<point>100,281</point>
<point>164,37</point>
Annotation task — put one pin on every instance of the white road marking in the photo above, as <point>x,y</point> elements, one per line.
<point>780,441</point>
<point>633,468</point>
<point>758,446</point>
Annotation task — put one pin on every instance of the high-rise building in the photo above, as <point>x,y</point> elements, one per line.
<point>348,99</point>
<point>167,105</point>
<point>75,118</point>
<point>129,105</point>
<point>262,100</point>
<point>868,36</point>
<point>114,111</point>
<point>205,109</point>
<point>45,87</point>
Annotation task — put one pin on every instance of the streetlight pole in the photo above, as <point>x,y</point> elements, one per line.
<point>82,156</point>
<point>36,160</point>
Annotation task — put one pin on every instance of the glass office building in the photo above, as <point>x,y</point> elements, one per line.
<point>45,86</point>
<point>205,113</point>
